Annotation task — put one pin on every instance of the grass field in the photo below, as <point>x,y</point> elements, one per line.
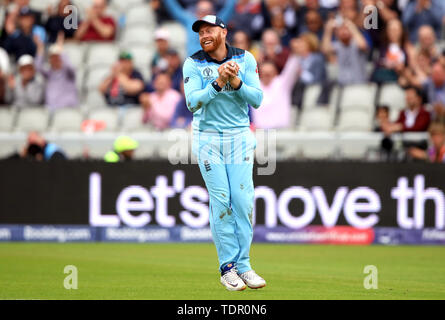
<point>189,271</point>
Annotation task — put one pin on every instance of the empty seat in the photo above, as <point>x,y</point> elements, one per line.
<point>142,56</point>
<point>32,119</point>
<point>320,146</point>
<point>6,119</point>
<point>107,115</point>
<point>355,145</point>
<point>178,35</point>
<point>132,120</point>
<point>316,119</point>
<point>310,96</point>
<point>140,15</point>
<point>67,120</point>
<point>95,76</point>
<point>137,35</point>
<point>75,53</point>
<point>102,55</point>
<point>393,96</point>
<point>358,96</point>
<point>95,99</point>
<point>355,120</point>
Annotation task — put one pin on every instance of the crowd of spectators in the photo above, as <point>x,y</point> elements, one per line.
<point>293,41</point>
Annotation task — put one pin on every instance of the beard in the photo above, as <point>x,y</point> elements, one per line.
<point>217,41</point>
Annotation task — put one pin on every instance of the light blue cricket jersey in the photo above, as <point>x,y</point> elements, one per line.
<point>227,109</point>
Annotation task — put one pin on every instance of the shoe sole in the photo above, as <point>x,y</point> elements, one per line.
<point>257,287</point>
<point>234,289</point>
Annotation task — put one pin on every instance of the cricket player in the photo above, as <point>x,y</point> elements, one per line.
<point>220,82</point>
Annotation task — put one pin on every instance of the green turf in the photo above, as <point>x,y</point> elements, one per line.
<point>189,271</point>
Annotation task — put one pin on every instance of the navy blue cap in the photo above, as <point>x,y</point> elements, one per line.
<point>26,11</point>
<point>210,19</point>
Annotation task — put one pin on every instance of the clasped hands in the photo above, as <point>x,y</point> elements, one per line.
<point>228,73</point>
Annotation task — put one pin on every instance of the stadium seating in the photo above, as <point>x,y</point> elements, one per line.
<point>32,119</point>
<point>393,96</point>
<point>359,96</point>
<point>355,120</point>
<point>316,119</point>
<point>136,35</point>
<point>68,119</point>
<point>100,55</point>
<point>108,115</point>
<point>7,117</point>
<point>132,120</point>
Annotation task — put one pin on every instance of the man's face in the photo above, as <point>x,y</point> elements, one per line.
<point>26,22</point>
<point>313,21</point>
<point>438,139</point>
<point>412,99</point>
<point>344,34</point>
<point>162,83</point>
<point>427,38</point>
<point>55,61</point>
<point>438,75</point>
<point>173,61</point>
<point>27,72</point>
<point>240,40</point>
<point>99,7</point>
<point>162,45</point>
<point>126,65</point>
<point>204,8</point>
<point>211,37</point>
<point>267,73</point>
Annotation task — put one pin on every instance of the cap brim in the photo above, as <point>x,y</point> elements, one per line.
<point>199,23</point>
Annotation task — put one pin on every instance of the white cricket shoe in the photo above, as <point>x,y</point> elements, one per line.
<point>232,281</point>
<point>252,280</point>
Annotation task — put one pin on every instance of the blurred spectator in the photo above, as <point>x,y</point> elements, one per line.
<point>310,6</point>
<point>21,40</point>
<point>4,61</point>
<point>159,106</point>
<point>61,89</point>
<point>381,118</point>
<point>427,42</point>
<point>392,57</point>
<point>97,26</point>
<point>422,12</point>
<point>313,22</point>
<point>350,50</point>
<point>418,71</point>
<point>275,108</point>
<point>124,84</point>
<point>4,74</point>
<point>436,151</point>
<point>55,23</point>
<point>182,118</point>
<point>28,89</point>
<point>435,89</point>
<point>312,66</point>
<point>272,50</point>
<point>159,62</point>
<point>413,118</point>
<point>247,18</point>
<point>159,9</point>
<point>203,8</point>
<point>283,21</point>
<point>173,68</point>
<point>241,40</point>
<point>123,150</point>
<point>39,149</point>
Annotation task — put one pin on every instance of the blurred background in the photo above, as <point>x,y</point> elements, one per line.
<point>338,83</point>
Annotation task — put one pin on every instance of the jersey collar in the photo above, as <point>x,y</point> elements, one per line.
<point>229,56</point>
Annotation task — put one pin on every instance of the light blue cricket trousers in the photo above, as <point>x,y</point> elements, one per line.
<point>226,164</point>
